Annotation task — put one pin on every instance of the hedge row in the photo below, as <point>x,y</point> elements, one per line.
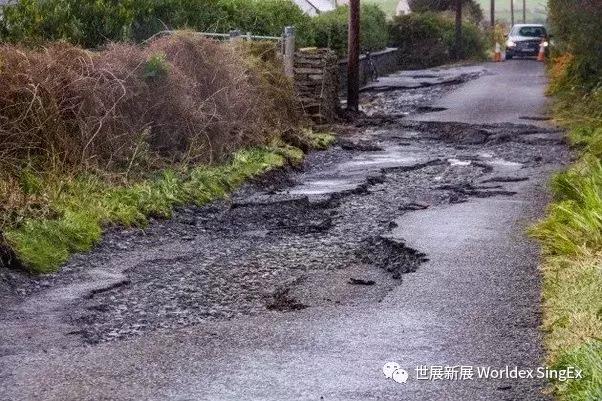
<point>330,29</point>
<point>91,23</point>
<point>427,39</point>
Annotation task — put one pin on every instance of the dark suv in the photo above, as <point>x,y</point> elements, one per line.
<point>524,40</point>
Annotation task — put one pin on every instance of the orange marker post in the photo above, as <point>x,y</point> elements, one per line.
<point>497,57</point>
<point>542,51</point>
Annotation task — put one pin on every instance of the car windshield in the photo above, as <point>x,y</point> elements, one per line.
<point>531,31</point>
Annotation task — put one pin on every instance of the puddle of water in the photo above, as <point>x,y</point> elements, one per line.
<point>457,162</point>
<point>505,163</point>
<point>324,186</point>
<point>380,161</point>
<point>350,174</point>
<point>395,156</point>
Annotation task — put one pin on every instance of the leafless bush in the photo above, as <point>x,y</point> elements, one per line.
<point>178,99</point>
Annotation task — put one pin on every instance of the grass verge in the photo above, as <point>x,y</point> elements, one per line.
<point>571,238</point>
<point>78,208</point>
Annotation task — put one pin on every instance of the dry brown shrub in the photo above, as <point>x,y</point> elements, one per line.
<point>65,107</point>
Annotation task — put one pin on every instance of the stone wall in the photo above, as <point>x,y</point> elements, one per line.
<point>320,78</point>
<point>317,83</point>
<point>386,61</point>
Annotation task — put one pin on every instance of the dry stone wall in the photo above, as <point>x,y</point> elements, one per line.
<point>317,83</point>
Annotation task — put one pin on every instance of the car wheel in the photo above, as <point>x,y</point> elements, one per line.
<point>508,56</point>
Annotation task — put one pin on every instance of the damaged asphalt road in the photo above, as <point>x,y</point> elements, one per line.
<point>405,242</point>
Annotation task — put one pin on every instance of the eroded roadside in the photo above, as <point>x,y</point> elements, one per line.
<point>292,240</point>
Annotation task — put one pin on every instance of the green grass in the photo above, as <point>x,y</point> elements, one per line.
<point>321,140</point>
<point>85,204</point>
<point>589,388</point>
<point>571,239</point>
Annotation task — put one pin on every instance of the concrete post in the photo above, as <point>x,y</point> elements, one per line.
<point>235,35</point>
<point>289,51</point>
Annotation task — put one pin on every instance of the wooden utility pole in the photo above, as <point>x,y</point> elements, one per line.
<point>458,35</point>
<point>524,11</point>
<point>492,9</point>
<point>353,56</point>
<point>512,12</point>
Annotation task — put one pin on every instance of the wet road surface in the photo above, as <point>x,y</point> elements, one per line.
<point>511,92</point>
<point>403,243</point>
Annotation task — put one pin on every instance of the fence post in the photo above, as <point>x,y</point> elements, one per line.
<point>249,36</point>
<point>289,51</point>
<point>234,35</point>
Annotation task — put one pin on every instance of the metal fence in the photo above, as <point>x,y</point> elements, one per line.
<point>286,42</point>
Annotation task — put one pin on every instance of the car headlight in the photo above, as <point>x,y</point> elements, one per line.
<point>545,44</point>
<point>510,44</point>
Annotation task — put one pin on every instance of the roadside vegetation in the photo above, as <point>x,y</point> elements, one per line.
<point>93,23</point>
<point>92,139</point>
<point>427,39</point>
<point>571,234</point>
<point>330,29</point>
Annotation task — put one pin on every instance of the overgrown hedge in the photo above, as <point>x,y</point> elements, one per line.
<point>330,29</point>
<point>91,23</point>
<point>427,39</point>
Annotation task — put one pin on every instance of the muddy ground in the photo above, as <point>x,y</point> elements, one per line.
<point>294,239</point>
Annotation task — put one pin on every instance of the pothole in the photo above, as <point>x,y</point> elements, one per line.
<point>390,255</point>
<point>282,301</point>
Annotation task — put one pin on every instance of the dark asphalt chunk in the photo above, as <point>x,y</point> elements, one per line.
<point>361,281</point>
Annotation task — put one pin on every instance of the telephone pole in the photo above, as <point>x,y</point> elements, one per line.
<point>492,8</point>
<point>353,56</point>
<point>512,12</point>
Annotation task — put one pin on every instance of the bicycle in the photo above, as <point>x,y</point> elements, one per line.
<point>372,71</point>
